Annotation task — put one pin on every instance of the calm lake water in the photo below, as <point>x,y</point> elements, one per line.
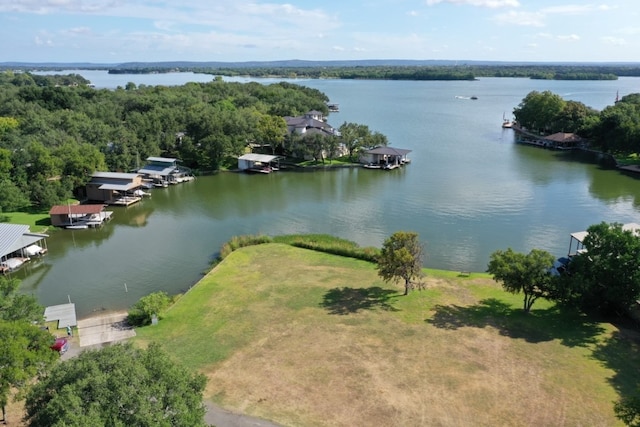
<point>469,191</point>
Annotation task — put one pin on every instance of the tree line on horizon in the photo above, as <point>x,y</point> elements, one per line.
<point>395,72</point>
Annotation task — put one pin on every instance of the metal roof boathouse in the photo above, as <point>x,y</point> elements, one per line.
<point>18,245</point>
<point>114,188</point>
<point>385,158</point>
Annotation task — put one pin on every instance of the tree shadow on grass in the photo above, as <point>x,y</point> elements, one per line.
<point>44,222</point>
<point>621,353</point>
<point>568,326</point>
<point>351,300</point>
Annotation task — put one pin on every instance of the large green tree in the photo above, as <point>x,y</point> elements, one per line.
<point>271,131</point>
<point>119,385</point>
<point>353,137</point>
<point>16,306</point>
<point>24,354</point>
<point>401,259</point>
<point>528,273</point>
<point>540,111</point>
<point>24,346</point>
<point>606,277</point>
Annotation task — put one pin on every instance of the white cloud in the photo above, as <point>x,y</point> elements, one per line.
<point>574,9</point>
<point>524,19</point>
<point>39,41</point>
<point>53,6</point>
<point>614,41</point>
<point>79,31</point>
<point>570,37</point>
<point>629,31</point>
<point>493,4</point>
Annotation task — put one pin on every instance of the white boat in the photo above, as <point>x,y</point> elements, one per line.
<point>141,193</point>
<point>506,123</point>
<point>77,227</point>
<point>372,166</point>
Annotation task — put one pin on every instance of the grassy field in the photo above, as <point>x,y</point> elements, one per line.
<point>310,339</point>
<point>38,222</point>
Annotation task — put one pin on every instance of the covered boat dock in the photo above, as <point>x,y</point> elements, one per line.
<point>258,163</point>
<point>79,216</point>
<point>18,245</point>
<point>385,158</point>
<point>576,242</point>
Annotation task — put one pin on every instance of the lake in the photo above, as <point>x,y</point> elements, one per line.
<point>469,191</point>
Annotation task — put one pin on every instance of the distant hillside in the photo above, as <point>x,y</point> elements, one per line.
<point>296,63</point>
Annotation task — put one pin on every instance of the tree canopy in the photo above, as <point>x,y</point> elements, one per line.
<point>401,259</point>
<point>24,346</point>
<point>606,277</point>
<point>119,385</point>
<point>528,273</point>
<point>55,131</point>
<point>615,129</point>
<point>16,306</point>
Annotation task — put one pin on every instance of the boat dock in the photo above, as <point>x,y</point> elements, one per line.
<point>630,169</point>
<point>386,158</point>
<point>125,200</point>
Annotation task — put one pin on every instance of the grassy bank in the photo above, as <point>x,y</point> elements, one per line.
<point>308,338</point>
<point>38,222</point>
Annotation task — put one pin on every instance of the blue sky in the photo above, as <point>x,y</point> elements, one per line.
<point>114,31</point>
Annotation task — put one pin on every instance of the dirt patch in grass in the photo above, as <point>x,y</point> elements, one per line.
<point>317,340</point>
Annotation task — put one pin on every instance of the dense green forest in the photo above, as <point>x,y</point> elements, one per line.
<point>615,130</point>
<point>403,72</point>
<point>56,130</point>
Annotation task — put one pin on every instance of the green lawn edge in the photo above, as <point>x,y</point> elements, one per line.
<point>237,303</point>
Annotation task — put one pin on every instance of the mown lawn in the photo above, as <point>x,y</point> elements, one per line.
<point>37,221</point>
<point>306,338</point>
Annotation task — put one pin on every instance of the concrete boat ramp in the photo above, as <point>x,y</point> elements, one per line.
<point>101,329</point>
<point>104,328</point>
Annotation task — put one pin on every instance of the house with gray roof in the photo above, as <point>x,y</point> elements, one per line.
<point>311,122</point>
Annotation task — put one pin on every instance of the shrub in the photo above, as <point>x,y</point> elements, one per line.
<point>238,242</point>
<point>330,244</point>
<point>142,312</point>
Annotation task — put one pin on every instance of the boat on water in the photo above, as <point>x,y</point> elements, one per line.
<point>372,166</point>
<point>141,193</point>
<point>474,97</point>
<point>506,123</point>
<point>77,227</point>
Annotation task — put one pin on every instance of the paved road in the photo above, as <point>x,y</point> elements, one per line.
<point>105,329</point>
